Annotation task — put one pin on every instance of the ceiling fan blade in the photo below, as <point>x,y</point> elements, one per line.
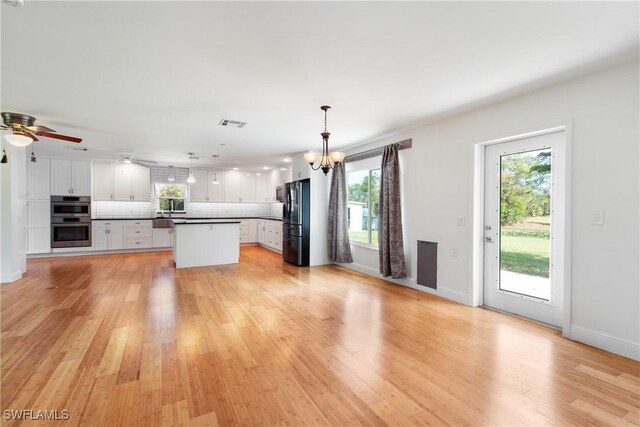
<point>62,137</point>
<point>151,162</point>
<point>39,129</point>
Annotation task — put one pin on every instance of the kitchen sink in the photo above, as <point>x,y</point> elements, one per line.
<point>162,223</point>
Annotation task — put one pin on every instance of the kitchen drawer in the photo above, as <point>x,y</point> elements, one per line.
<point>137,232</point>
<point>107,224</point>
<point>244,238</point>
<point>136,243</point>
<point>138,223</point>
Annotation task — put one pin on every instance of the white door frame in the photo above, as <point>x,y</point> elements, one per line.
<point>478,213</point>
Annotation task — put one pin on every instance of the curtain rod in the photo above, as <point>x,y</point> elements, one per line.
<point>402,145</point>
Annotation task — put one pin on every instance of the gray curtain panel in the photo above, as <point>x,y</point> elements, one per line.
<point>339,249</point>
<point>390,241</point>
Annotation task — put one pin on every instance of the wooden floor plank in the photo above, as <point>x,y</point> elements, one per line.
<point>128,340</point>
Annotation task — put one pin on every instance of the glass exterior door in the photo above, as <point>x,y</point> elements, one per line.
<point>523,201</point>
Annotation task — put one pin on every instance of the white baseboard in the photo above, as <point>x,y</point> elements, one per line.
<point>442,291</point>
<point>606,342</point>
<point>10,277</point>
<point>89,253</point>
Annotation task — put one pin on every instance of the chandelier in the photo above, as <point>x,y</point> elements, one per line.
<point>328,160</point>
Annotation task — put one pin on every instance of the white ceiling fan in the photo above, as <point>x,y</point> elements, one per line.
<point>129,158</point>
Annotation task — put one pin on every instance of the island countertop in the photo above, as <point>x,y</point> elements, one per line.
<point>182,221</point>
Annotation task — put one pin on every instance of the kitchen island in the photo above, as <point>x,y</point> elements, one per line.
<point>204,242</point>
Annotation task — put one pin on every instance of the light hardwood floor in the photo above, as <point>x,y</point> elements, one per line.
<point>129,340</point>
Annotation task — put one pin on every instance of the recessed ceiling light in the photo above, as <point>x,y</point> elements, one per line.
<point>235,169</point>
<point>265,168</point>
<point>258,174</point>
<point>286,160</point>
<point>283,169</point>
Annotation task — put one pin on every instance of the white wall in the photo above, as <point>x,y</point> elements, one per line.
<point>438,187</point>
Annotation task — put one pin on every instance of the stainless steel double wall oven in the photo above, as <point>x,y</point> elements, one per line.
<point>70,221</point>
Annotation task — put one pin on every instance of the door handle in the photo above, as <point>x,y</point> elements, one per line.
<point>488,239</point>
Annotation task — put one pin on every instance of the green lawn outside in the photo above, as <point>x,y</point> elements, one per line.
<point>363,236</point>
<point>526,255</point>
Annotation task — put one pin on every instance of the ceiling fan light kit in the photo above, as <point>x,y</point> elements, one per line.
<point>328,159</point>
<point>18,140</point>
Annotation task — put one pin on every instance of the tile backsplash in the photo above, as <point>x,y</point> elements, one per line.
<point>198,210</point>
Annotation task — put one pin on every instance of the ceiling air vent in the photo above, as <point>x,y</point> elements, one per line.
<point>232,123</point>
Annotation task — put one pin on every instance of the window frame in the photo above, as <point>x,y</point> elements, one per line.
<point>158,199</point>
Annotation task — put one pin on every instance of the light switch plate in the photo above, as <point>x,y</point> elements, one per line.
<point>598,217</point>
<point>454,252</point>
<point>460,221</point>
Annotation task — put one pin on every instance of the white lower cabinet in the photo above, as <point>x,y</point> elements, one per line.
<point>137,234</point>
<point>138,243</point>
<point>162,237</point>
<point>270,234</point>
<point>107,235</point>
<point>38,240</point>
<point>38,226</point>
<point>248,231</point>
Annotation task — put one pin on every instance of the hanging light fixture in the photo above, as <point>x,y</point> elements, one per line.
<point>171,178</point>
<point>215,174</point>
<point>191,179</point>
<point>327,159</point>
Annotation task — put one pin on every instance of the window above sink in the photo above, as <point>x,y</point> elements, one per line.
<point>168,196</point>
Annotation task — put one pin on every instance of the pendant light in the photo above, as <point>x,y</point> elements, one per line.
<point>171,178</point>
<point>191,179</point>
<point>327,159</point>
<point>215,174</point>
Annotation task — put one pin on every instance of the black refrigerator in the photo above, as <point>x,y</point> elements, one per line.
<point>295,222</point>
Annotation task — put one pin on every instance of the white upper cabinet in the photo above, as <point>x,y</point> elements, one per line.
<point>131,182</point>
<point>286,176</point>
<point>247,187</point>
<point>215,186</point>
<point>232,186</point>
<point>239,186</point>
<point>205,189</point>
<point>140,183</point>
<point>102,181</point>
<point>70,177</point>
<point>121,181</point>
<point>262,188</point>
<point>60,177</point>
<point>81,178</point>
<point>198,190</point>
<point>39,180</point>
<point>300,169</point>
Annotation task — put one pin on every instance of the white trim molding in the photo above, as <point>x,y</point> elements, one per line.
<point>10,277</point>
<point>605,342</point>
<point>442,291</point>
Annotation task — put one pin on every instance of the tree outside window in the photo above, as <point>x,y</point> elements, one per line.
<point>363,193</point>
<point>166,192</point>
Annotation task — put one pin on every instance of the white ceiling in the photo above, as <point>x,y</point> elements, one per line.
<point>155,78</point>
